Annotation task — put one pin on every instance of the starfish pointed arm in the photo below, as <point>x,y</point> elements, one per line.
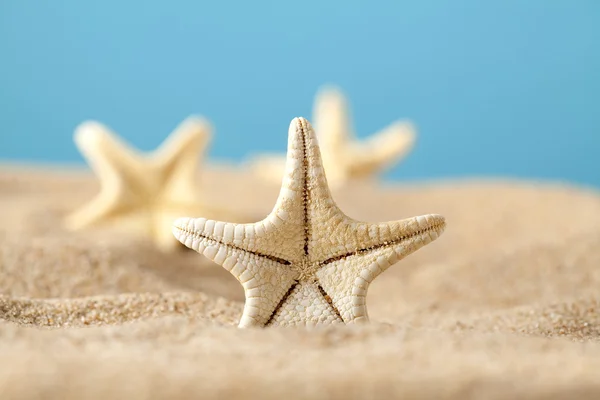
<point>106,154</point>
<point>303,191</point>
<point>192,135</point>
<point>178,159</point>
<point>266,278</point>
<point>112,161</point>
<point>319,208</point>
<point>180,155</point>
<point>380,150</point>
<point>346,276</point>
<point>92,212</point>
<point>331,119</point>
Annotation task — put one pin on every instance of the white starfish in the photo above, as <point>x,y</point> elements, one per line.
<point>344,157</point>
<point>142,194</point>
<point>306,263</point>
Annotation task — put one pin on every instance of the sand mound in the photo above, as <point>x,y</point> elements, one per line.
<point>578,320</point>
<point>74,266</point>
<point>50,267</point>
<point>504,305</point>
<point>110,310</point>
<point>176,358</point>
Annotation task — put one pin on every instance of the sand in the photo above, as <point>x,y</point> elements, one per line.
<point>504,305</point>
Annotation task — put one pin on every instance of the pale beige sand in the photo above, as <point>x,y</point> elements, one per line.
<point>503,305</point>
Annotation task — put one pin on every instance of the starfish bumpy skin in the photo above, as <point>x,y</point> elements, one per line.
<point>143,194</point>
<point>344,157</point>
<point>306,263</point>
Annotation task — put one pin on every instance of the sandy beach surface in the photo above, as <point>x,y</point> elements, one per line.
<point>505,305</point>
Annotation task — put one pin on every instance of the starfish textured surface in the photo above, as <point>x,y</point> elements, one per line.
<point>344,157</point>
<point>142,193</point>
<point>306,263</point>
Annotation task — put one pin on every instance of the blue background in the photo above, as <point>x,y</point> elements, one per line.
<point>502,88</point>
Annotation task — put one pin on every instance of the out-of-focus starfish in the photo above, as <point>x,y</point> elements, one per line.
<point>306,263</point>
<point>344,157</point>
<point>143,193</point>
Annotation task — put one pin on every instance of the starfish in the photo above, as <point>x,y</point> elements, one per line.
<point>344,157</point>
<point>142,193</point>
<point>306,263</point>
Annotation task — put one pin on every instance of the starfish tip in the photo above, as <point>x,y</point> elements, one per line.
<point>330,92</point>
<point>434,223</point>
<point>180,225</point>
<point>438,218</point>
<point>298,121</point>
<point>299,128</point>
<point>406,131</point>
<point>196,125</point>
<point>439,221</point>
<point>89,132</point>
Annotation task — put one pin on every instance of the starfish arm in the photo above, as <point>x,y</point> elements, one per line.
<point>92,212</point>
<point>346,277</point>
<point>309,184</point>
<point>192,135</point>
<point>113,162</point>
<point>178,159</point>
<point>331,120</point>
<point>266,279</point>
<point>164,218</point>
<point>347,237</point>
<point>380,150</point>
<point>303,190</point>
<point>106,154</point>
<point>180,155</point>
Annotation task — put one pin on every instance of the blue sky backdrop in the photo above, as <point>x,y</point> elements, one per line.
<point>501,88</point>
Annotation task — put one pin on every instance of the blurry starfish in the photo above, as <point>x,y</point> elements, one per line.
<point>306,263</point>
<point>143,194</point>
<point>344,157</point>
